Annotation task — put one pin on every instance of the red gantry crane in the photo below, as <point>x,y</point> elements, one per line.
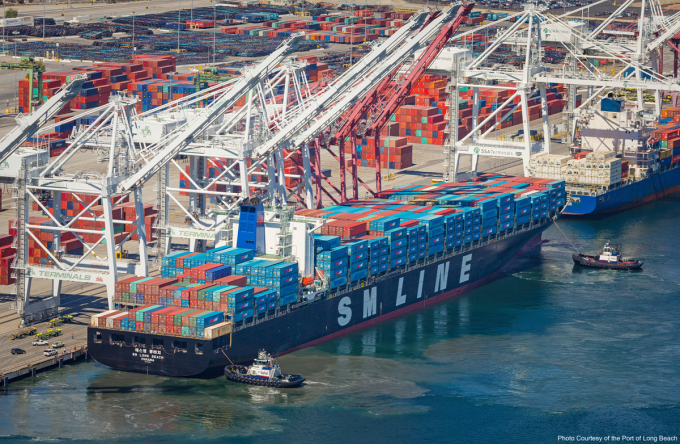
<point>359,112</point>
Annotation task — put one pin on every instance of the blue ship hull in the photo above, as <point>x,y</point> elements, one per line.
<point>637,193</point>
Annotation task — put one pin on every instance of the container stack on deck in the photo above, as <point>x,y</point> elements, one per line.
<point>199,292</point>
<point>607,161</point>
<point>398,229</point>
<point>667,137</point>
<point>171,321</point>
<point>230,283</point>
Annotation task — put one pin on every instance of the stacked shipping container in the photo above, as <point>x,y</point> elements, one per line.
<point>386,233</point>
<point>103,80</point>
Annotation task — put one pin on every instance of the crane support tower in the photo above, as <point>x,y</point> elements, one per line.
<point>639,59</point>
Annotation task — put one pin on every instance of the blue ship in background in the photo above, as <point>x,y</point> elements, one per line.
<point>649,189</point>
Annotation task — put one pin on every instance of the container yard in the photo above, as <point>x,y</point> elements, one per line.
<point>188,188</point>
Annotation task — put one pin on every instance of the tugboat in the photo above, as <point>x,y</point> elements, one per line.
<point>609,257</point>
<point>264,371</point>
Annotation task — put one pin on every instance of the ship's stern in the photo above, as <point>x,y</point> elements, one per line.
<point>149,353</point>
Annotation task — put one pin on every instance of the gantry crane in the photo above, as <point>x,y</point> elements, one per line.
<point>181,141</point>
<point>121,155</point>
<point>300,133</point>
<point>396,97</point>
<point>526,34</point>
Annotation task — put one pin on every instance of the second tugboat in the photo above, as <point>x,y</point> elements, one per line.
<point>609,257</point>
<point>264,371</point>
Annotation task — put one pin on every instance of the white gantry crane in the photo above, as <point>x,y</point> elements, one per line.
<point>122,156</point>
<point>525,36</point>
<point>253,135</point>
<point>266,154</point>
<point>236,137</point>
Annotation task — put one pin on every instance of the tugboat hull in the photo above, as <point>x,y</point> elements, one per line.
<point>238,373</point>
<point>592,262</point>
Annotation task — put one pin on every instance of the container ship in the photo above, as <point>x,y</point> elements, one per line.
<point>623,160</point>
<point>349,267</point>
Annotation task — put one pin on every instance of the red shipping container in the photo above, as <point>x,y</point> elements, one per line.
<point>234,279</point>
<point>354,229</point>
<point>124,285</point>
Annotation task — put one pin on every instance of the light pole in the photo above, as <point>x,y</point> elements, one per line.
<point>43,21</point>
<point>214,30</point>
<point>365,27</point>
<point>4,24</point>
<point>179,22</point>
<point>134,48</point>
<point>351,46</point>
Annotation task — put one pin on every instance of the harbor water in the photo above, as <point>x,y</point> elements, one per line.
<point>547,353</point>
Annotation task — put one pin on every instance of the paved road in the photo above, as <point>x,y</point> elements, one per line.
<point>74,334</point>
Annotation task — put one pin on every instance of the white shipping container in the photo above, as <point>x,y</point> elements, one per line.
<point>217,330</point>
<point>109,321</point>
<point>11,167</point>
<point>94,320</point>
<point>11,22</point>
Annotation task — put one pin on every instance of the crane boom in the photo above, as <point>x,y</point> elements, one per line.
<point>667,34</point>
<point>30,124</point>
<point>298,132</point>
<point>369,99</point>
<point>248,81</point>
<point>349,81</point>
<point>418,69</point>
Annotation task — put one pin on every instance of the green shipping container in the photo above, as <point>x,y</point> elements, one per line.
<point>178,318</point>
<point>193,317</point>
<point>133,286</point>
<point>139,315</point>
